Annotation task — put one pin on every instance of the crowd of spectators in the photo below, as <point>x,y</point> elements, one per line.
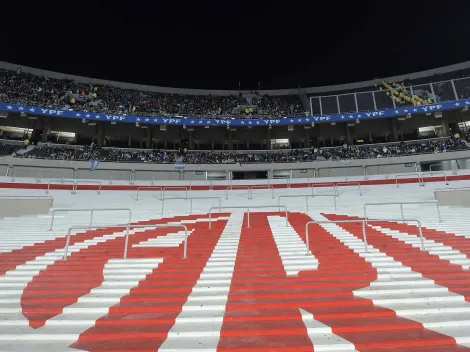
<point>8,149</point>
<point>24,88</point>
<point>279,105</point>
<point>56,152</point>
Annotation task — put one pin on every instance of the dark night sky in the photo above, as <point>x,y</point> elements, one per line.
<point>216,44</point>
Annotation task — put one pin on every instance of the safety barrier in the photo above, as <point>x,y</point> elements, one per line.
<point>459,197</point>
<point>248,210</point>
<point>306,198</point>
<point>149,188</point>
<point>238,187</point>
<point>176,188</point>
<point>364,223</point>
<point>61,181</point>
<point>434,173</point>
<point>126,242</point>
<point>87,182</point>
<point>262,187</point>
<point>40,173</point>
<point>91,213</point>
<point>403,203</point>
<point>190,201</point>
<point>326,184</point>
<point>349,183</point>
<point>420,181</point>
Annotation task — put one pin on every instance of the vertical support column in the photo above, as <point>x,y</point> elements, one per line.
<point>321,106</point>
<point>373,98</point>
<point>445,128</point>
<point>347,132</point>
<point>268,138</point>
<point>129,141</point>
<point>100,134</point>
<point>148,138</point>
<point>230,140</point>
<point>394,127</point>
<point>46,129</point>
<point>355,101</point>
<point>190,140</point>
<point>307,137</point>
<point>455,90</point>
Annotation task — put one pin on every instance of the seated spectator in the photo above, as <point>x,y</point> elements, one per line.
<point>60,152</point>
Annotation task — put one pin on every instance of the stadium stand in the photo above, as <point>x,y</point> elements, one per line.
<point>64,152</point>
<point>257,269</point>
<point>25,88</point>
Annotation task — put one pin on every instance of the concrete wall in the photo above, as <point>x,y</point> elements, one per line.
<point>21,206</point>
<point>453,197</point>
<point>122,171</point>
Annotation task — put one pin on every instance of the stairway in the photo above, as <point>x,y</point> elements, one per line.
<point>240,289</point>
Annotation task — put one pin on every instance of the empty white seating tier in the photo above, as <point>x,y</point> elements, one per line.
<point>241,288</point>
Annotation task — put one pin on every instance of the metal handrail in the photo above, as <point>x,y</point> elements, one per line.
<point>364,223</point>
<point>403,203</point>
<point>349,183</point>
<point>407,175</point>
<point>83,182</point>
<point>190,201</point>
<point>32,197</point>
<point>433,173</point>
<point>430,166</point>
<point>231,187</point>
<point>40,173</point>
<point>91,213</point>
<point>306,197</point>
<point>126,243</point>
<point>262,187</point>
<point>177,188</point>
<point>149,188</point>
<point>61,181</point>
<point>248,210</point>
<point>335,189</point>
<point>451,189</point>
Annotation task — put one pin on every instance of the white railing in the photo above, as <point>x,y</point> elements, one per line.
<point>321,185</point>
<point>31,197</point>
<point>126,243</point>
<point>262,187</point>
<point>434,173</point>
<point>92,211</point>
<point>174,188</point>
<point>364,223</point>
<point>349,183</point>
<point>404,203</point>
<point>87,182</point>
<point>61,181</point>
<point>149,188</point>
<point>239,187</point>
<point>420,181</point>
<point>190,201</point>
<point>248,210</point>
<point>306,198</point>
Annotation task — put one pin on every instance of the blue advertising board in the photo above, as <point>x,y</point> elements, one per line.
<point>188,121</point>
